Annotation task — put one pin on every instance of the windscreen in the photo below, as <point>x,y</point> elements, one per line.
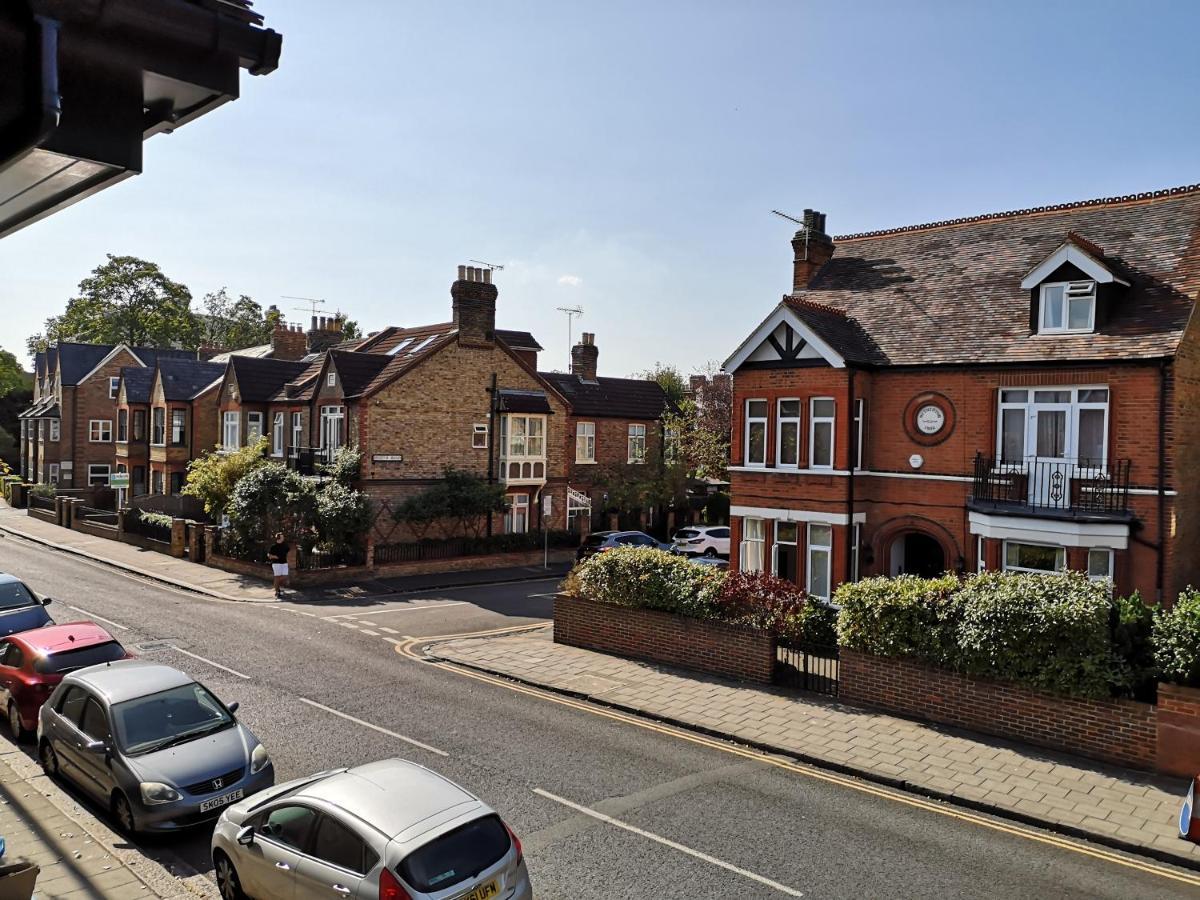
<point>595,540</point>
<point>70,660</point>
<point>685,534</point>
<point>13,595</point>
<point>168,718</point>
<point>456,855</point>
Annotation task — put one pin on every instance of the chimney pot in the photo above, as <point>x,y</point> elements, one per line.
<point>314,323</point>
<point>462,273</point>
<point>474,303</point>
<point>487,276</point>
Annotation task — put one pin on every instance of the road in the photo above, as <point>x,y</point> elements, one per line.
<point>605,807</point>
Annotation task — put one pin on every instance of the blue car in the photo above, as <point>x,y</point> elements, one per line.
<point>20,609</point>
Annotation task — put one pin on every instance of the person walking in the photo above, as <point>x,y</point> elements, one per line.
<point>277,556</point>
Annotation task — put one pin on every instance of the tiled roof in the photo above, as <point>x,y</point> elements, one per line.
<point>260,379</point>
<point>184,378</point>
<point>950,292</point>
<point>138,382</point>
<point>841,332</point>
<point>623,398</point>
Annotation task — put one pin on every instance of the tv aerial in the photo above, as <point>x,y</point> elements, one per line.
<point>495,266</point>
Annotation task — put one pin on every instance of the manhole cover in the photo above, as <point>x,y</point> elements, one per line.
<point>151,646</point>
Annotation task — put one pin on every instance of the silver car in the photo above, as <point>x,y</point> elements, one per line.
<point>387,830</point>
<point>151,744</point>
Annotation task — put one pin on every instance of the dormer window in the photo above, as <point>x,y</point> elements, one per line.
<point>1068,307</point>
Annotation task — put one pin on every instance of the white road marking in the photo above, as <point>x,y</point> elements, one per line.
<point>369,631</point>
<point>550,596</point>
<point>391,640</point>
<point>387,630</point>
<point>348,625</point>
<point>97,618</point>
<point>649,835</point>
<point>215,665</point>
<point>380,612</point>
<point>350,718</point>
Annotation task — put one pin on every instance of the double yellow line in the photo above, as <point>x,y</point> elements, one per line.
<point>407,648</point>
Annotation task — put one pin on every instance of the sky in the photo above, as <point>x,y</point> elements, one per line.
<point>623,157</point>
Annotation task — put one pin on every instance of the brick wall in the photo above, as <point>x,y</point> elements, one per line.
<point>1117,731</point>
<point>712,647</point>
<point>1178,730</point>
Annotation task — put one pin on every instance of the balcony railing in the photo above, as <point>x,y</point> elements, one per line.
<point>307,460</point>
<point>1076,487</point>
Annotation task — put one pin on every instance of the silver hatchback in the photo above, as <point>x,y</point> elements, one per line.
<point>387,830</point>
<point>151,744</point>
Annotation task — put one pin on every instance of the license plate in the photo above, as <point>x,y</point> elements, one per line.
<point>224,800</point>
<point>483,892</point>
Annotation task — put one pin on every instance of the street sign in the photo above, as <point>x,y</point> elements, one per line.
<point>118,480</point>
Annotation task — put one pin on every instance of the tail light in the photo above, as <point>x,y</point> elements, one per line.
<point>696,541</point>
<point>516,844</point>
<point>390,888</point>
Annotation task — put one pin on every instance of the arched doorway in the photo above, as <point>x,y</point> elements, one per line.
<point>916,553</point>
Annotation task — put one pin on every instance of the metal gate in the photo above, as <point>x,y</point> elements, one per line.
<point>807,667</point>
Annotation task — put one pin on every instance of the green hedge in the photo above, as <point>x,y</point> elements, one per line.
<point>1177,640</point>
<point>902,616</point>
<point>162,520</point>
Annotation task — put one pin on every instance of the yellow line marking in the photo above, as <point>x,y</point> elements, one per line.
<point>830,777</point>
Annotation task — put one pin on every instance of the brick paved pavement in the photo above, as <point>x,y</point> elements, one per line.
<point>1118,806</point>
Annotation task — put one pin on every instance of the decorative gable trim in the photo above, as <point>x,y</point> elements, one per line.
<point>788,351</point>
<point>1070,252</point>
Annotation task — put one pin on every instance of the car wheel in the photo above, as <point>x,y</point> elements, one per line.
<point>14,722</point>
<point>710,552</point>
<point>123,814</point>
<point>49,759</point>
<point>227,878</point>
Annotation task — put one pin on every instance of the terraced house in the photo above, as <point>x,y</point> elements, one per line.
<point>1011,391</point>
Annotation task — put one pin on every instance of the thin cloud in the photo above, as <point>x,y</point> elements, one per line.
<point>570,280</point>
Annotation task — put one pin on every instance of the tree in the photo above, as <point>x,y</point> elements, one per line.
<point>16,392</point>
<point>461,501</point>
<point>230,324</point>
<point>668,378</point>
<point>212,477</point>
<point>700,425</point>
<point>268,499</point>
<point>12,376</point>
<point>351,331</point>
<point>125,300</point>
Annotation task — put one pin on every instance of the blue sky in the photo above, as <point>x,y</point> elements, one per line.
<point>623,156</point>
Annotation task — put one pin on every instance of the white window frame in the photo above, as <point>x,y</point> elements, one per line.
<point>747,541</point>
<point>1062,551</point>
<point>479,436</point>
<point>585,442</point>
<point>636,444</point>
<point>860,420</point>
<point>94,468</point>
<point>277,424</point>
<point>53,474</point>
<point>114,386</point>
<point>780,421</point>
<point>813,421</point>
<point>170,427</point>
<point>821,592</point>
<point>254,419</point>
<point>231,430</point>
<point>750,421</point>
<point>776,542</point>
<point>297,429</point>
<point>1071,290</point>
<point>331,414</point>
<point>331,379</point>
<point>101,427</point>
<point>518,506</point>
<point>157,440</point>
<point>55,429</point>
<point>1108,576</point>
<point>1076,406</point>
<point>980,554</point>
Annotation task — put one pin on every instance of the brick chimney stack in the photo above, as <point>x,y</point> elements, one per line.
<point>473,298</point>
<point>325,332</point>
<point>287,341</point>
<point>813,248</point>
<point>584,357</point>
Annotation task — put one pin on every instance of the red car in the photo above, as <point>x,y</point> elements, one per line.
<point>32,663</point>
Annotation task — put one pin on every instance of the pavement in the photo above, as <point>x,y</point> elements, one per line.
<point>1133,810</point>
<point>79,857</point>
<point>231,587</point>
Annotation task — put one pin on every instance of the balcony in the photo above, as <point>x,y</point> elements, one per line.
<point>308,460</point>
<point>1056,488</point>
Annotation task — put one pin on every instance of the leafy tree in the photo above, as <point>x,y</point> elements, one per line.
<point>668,379</point>
<point>12,376</point>
<point>128,300</point>
<point>633,488</point>
<point>461,502</point>
<point>212,477</point>
<point>345,466</point>
<point>230,324</point>
<point>344,516</point>
<point>351,331</point>
<point>15,394</point>
<point>271,498</point>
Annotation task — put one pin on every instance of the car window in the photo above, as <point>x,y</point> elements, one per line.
<point>686,533</point>
<point>169,717</point>
<point>95,723</point>
<point>720,532</point>
<point>13,594</point>
<point>339,846</point>
<point>594,540</point>
<point>456,855</point>
<point>70,660</point>
<point>646,541</point>
<point>71,705</point>
<point>11,655</point>
<point>625,539</point>
<point>289,825</point>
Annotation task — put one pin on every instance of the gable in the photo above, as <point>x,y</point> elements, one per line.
<point>782,340</point>
<point>785,345</point>
<point>1070,254</point>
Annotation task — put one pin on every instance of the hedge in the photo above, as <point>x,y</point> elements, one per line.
<point>1177,640</point>
<point>902,616</point>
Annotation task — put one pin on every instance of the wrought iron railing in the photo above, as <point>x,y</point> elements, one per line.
<point>806,666</point>
<point>1078,486</point>
<point>308,460</point>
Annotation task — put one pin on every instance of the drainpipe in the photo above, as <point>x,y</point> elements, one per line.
<point>1162,479</point>
<point>492,424</point>
<point>850,450</point>
<point>43,115</point>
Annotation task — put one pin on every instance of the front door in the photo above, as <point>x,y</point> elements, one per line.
<point>1049,471</point>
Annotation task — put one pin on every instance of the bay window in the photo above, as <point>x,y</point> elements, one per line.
<point>333,427</point>
<point>122,426</point>
<point>787,434</point>
<point>820,433</point>
<point>523,448</point>
<point>158,428</point>
<point>1035,558</point>
<point>254,427</point>
<point>784,564</point>
<point>297,431</point>
<point>1100,564</point>
<point>755,451</point>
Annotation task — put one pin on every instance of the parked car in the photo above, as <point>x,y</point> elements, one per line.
<point>33,662</point>
<point>701,540</point>
<point>150,743</point>
<point>389,830</point>
<point>1189,815</point>
<point>713,562</point>
<point>603,541</point>
<point>20,608</point>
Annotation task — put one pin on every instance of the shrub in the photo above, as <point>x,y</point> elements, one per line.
<point>649,578</point>
<point>1177,640</point>
<point>44,489</point>
<point>1133,642</point>
<point>773,604</point>
<point>343,516</point>
<point>902,616</point>
<point>162,520</point>
<point>212,477</point>
<point>272,498</point>
<point>1051,632</point>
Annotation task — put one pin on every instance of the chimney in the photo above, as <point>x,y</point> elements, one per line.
<point>584,356</point>
<point>286,342</point>
<point>813,248</point>
<point>324,334</point>
<point>473,298</point>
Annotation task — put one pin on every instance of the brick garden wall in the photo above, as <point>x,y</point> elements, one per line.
<point>1118,731</point>
<point>712,647</point>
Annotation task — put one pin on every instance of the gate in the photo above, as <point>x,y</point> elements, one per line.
<point>807,667</point>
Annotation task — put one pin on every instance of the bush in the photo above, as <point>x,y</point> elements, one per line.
<point>1051,632</point>
<point>162,520</point>
<point>1133,642</point>
<point>648,578</point>
<point>781,607</point>
<point>44,489</point>
<point>902,616</point>
<point>1177,640</point>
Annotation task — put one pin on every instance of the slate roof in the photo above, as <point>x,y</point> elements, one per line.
<point>518,340</point>
<point>138,382</point>
<point>950,292</point>
<point>524,401</point>
<point>260,379</point>
<point>357,370</point>
<point>74,361</point>
<point>183,379</point>
<point>623,398</point>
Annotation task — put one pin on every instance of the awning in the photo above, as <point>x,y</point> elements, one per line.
<point>524,402</point>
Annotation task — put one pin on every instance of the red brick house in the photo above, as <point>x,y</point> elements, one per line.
<point>1013,391</point>
<point>182,420</point>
